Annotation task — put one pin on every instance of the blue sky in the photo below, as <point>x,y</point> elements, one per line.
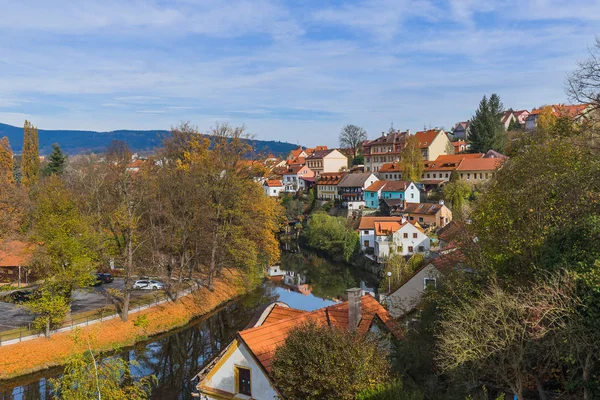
<point>295,71</point>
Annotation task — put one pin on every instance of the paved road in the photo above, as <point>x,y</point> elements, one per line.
<point>13,316</point>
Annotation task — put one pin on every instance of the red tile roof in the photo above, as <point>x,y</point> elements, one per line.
<point>330,178</point>
<point>426,137</point>
<point>15,253</point>
<point>480,164</point>
<point>264,340</point>
<point>273,183</point>
<point>396,186</point>
<point>562,110</point>
<point>369,222</point>
<point>423,208</point>
<point>376,186</point>
<point>387,228</point>
<point>389,167</point>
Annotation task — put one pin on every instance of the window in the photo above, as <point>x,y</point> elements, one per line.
<point>468,176</point>
<point>420,220</point>
<point>412,195</point>
<point>405,235</point>
<point>410,249</point>
<point>421,249</point>
<point>434,176</point>
<point>446,174</point>
<point>486,175</point>
<point>415,235</point>
<point>429,282</point>
<point>428,175</point>
<point>243,381</point>
<point>366,243</point>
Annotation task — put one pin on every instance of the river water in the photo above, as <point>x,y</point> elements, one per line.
<point>175,357</point>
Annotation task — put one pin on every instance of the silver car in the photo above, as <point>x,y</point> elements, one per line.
<point>148,284</point>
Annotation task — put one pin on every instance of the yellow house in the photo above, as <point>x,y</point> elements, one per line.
<point>327,188</point>
<point>434,143</point>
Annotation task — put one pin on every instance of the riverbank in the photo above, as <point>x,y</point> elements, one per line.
<point>39,354</point>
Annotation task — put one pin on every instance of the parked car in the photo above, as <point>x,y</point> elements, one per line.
<point>21,296</point>
<point>148,284</point>
<point>106,277</point>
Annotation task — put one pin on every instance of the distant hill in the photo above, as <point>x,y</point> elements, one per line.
<point>80,142</point>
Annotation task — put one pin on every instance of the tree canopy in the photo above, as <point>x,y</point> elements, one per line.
<point>331,235</point>
<point>411,160</point>
<point>321,362</point>
<point>487,131</point>
<point>352,137</point>
<point>56,161</point>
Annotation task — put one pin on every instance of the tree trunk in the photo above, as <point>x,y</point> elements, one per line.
<point>47,334</point>
<point>127,293</point>
<point>587,369</point>
<point>213,254</point>
<point>125,309</point>
<point>540,388</point>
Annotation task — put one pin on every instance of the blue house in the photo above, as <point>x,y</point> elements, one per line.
<point>373,194</point>
<point>393,190</point>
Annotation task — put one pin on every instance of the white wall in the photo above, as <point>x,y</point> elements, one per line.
<point>408,295</point>
<point>334,162</point>
<point>273,191</point>
<point>224,377</point>
<point>398,239</point>
<point>367,235</point>
<point>412,194</point>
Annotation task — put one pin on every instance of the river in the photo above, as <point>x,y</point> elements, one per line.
<point>175,357</point>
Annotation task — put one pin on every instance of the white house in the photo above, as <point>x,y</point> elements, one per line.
<point>273,187</point>
<point>402,238</point>
<point>292,179</point>
<point>366,230</point>
<point>407,296</point>
<point>241,370</point>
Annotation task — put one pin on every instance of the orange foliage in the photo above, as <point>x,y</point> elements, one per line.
<point>38,354</point>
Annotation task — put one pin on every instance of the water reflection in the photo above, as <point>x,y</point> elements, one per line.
<point>174,358</point>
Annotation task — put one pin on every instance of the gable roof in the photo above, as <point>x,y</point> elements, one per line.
<point>354,180</point>
<point>396,186</point>
<point>425,138</point>
<point>562,110</point>
<point>387,227</point>
<point>263,340</point>
<point>273,183</point>
<point>480,164</point>
<point>369,222</point>
<point>319,153</point>
<point>376,186</point>
<point>387,138</point>
<point>423,208</point>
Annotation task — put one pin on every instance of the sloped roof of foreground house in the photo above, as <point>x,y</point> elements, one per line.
<point>355,180</point>
<point>263,340</point>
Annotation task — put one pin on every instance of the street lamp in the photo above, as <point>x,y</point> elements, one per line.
<point>389,275</point>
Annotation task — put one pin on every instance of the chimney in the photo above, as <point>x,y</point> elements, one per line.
<point>408,131</point>
<point>354,308</point>
<point>442,202</point>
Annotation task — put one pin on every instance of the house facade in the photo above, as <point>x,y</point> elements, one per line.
<point>390,172</point>
<point>479,170</point>
<point>434,143</point>
<point>462,130</point>
<point>427,214</point>
<point>406,239</point>
<point>292,179</point>
<point>384,149</point>
<point>352,186</point>
<point>273,187</point>
<point>242,370</point>
<point>321,161</point>
<point>366,230</point>
<point>406,298</point>
<point>327,188</point>
<point>391,190</point>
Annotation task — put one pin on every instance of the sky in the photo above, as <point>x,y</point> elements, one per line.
<point>295,71</point>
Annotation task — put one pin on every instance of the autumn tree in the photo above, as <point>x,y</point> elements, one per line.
<point>352,137</point>
<point>56,161</point>
<point>6,162</point>
<point>411,160</point>
<point>457,192</point>
<point>583,84</point>
<point>66,256</point>
<point>30,158</point>
<point>321,362</point>
<point>487,131</point>
<point>88,377</point>
<point>503,338</point>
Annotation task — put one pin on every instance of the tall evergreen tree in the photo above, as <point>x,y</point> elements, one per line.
<point>6,162</point>
<point>30,159</point>
<point>487,132</point>
<point>57,160</point>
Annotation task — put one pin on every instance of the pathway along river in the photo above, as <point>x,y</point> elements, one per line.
<point>175,357</point>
